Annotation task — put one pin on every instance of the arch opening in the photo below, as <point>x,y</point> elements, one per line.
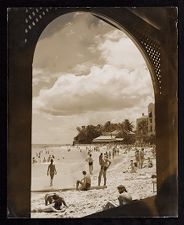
<point>84,82</point>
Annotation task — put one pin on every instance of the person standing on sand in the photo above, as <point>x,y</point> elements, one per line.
<point>137,157</point>
<point>103,170</point>
<point>90,162</point>
<point>51,171</point>
<point>141,158</point>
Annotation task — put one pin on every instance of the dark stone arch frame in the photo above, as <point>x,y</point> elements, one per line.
<point>151,36</point>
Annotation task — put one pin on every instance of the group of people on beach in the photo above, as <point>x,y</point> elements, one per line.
<point>42,157</point>
<point>104,164</point>
<point>54,202</point>
<point>139,161</point>
<point>85,183</point>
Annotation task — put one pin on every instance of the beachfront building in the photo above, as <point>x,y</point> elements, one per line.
<point>151,119</point>
<point>145,125</point>
<point>104,139</point>
<point>141,128</point>
<point>141,124</point>
<point>108,137</point>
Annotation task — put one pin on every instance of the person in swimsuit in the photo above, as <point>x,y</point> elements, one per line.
<point>51,171</point>
<point>137,157</point>
<point>124,198</point>
<point>56,204</point>
<point>132,168</point>
<point>101,159</point>
<point>85,183</point>
<point>103,170</point>
<point>59,202</point>
<point>49,198</point>
<point>141,158</point>
<point>90,162</point>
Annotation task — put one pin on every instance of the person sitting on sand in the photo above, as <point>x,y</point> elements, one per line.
<point>51,171</point>
<point>150,163</point>
<point>123,198</point>
<point>49,198</point>
<point>103,170</point>
<point>132,167</point>
<point>90,162</point>
<point>85,183</point>
<point>58,204</point>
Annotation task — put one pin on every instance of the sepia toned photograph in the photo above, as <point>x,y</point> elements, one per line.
<point>98,112</point>
<point>93,121</point>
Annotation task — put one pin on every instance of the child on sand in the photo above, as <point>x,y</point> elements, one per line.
<point>85,183</point>
<point>51,171</point>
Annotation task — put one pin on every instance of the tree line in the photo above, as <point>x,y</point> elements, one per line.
<point>86,134</point>
<point>124,130</point>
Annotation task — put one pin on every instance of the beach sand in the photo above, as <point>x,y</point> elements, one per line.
<point>83,203</point>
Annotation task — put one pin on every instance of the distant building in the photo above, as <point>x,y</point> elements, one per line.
<point>107,139</point>
<point>140,120</point>
<point>151,119</point>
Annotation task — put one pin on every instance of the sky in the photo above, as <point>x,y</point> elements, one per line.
<point>85,71</point>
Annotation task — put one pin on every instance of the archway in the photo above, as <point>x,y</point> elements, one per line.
<point>154,45</point>
<point>111,60</point>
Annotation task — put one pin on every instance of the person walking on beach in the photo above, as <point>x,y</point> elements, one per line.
<point>90,162</point>
<point>103,170</point>
<point>85,183</point>
<point>51,171</point>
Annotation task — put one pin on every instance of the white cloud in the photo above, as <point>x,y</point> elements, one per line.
<point>120,51</point>
<point>98,75</point>
<point>40,75</point>
<point>103,89</point>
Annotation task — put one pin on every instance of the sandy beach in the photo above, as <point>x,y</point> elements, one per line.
<point>69,165</point>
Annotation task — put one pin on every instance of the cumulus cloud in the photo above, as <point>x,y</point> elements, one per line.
<point>64,38</point>
<point>103,89</point>
<point>87,72</point>
<point>120,51</point>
